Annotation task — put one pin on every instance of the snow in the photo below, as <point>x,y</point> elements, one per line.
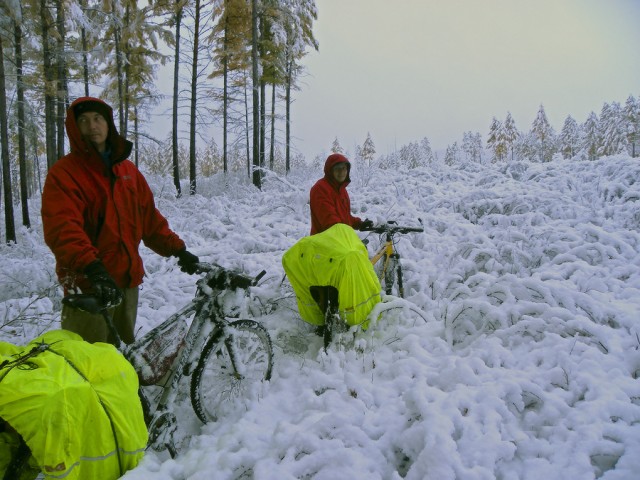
<point>514,355</point>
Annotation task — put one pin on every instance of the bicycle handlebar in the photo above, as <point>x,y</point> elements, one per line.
<point>391,227</point>
<point>222,279</point>
<point>217,277</point>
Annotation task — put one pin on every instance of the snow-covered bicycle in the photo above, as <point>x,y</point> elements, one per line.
<point>390,270</point>
<point>224,356</point>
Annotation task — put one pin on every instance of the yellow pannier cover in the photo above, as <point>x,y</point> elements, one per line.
<point>76,406</point>
<point>338,258</point>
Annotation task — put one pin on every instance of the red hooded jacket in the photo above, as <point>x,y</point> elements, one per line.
<point>329,200</point>
<point>91,212</point>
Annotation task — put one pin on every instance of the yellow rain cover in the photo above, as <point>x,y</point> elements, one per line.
<point>338,258</point>
<point>75,404</point>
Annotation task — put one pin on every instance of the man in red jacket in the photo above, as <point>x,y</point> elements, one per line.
<point>96,209</point>
<point>329,199</point>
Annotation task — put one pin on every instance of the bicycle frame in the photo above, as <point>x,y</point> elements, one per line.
<point>391,256</point>
<point>163,423</point>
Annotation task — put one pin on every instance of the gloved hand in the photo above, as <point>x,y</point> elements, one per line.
<point>366,224</point>
<point>103,284</point>
<point>187,261</point>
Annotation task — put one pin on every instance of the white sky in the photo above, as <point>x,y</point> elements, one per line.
<point>407,69</point>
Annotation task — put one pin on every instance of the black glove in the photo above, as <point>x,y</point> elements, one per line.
<point>366,224</point>
<point>103,285</point>
<point>187,261</point>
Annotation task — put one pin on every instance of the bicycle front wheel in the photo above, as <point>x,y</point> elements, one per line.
<point>232,362</point>
<point>390,275</point>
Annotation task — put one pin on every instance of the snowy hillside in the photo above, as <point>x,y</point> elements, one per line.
<point>516,354</point>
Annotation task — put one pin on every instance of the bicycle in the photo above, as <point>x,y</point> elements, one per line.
<point>391,268</point>
<point>390,273</point>
<point>223,356</point>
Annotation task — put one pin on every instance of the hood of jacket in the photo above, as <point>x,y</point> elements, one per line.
<point>331,161</point>
<point>120,147</point>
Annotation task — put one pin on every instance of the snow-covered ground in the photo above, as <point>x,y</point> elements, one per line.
<point>516,354</point>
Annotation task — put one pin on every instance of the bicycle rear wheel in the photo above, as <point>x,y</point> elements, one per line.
<point>232,361</point>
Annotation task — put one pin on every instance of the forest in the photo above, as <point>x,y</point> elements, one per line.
<point>232,59</point>
<point>236,67</point>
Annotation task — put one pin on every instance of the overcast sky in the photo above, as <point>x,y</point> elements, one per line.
<point>406,69</point>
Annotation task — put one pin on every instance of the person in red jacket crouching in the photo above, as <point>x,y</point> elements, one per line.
<point>96,209</point>
<point>329,199</point>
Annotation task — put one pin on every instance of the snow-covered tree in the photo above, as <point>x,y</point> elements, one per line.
<point>368,151</point>
<point>335,146</point>
<point>495,142</point>
<point>472,146</point>
<point>631,114</point>
<point>612,131</point>
<point>510,134</point>
<point>569,138</point>
<point>427,152</point>
<point>544,136</point>
<point>590,140</point>
<point>452,154</point>
<point>411,155</point>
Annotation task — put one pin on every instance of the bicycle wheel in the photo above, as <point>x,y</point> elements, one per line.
<point>232,361</point>
<point>390,274</point>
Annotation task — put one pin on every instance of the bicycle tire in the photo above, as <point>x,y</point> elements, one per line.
<point>219,380</point>
<point>390,275</point>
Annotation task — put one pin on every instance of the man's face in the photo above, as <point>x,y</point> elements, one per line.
<point>340,172</point>
<point>94,127</point>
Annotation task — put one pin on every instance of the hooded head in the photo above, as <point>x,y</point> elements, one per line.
<point>92,105</point>
<point>119,146</point>
<point>332,161</point>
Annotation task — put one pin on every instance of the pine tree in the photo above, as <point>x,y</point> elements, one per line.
<point>569,139</point>
<point>452,154</point>
<point>496,142</point>
<point>544,135</point>
<point>590,141</point>
<point>612,132</point>
<point>631,114</point>
<point>368,151</point>
<point>335,146</point>
<point>426,151</point>
<point>509,134</point>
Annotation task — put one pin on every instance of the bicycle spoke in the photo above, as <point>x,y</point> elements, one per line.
<point>229,368</point>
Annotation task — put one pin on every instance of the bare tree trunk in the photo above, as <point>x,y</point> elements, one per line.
<point>85,57</point>
<point>125,91</point>
<point>22,154</point>
<point>119,69</point>
<point>49,89</point>
<point>136,137</point>
<point>225,91</point>
<point>6,164</point>
<point>257,180</point>
<point>262,124</point>
<point>288,119</point>
<point>176,68</point>
<point>247,128</point>
<point>194,93</point>
<point>273,128</point>
<point>61,91</point>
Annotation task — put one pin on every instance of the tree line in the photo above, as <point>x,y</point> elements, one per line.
<point>616,130</point>
<point>231,60</point>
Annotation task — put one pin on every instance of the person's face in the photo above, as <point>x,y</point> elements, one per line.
<point>340,172</point>
<point>94,127</point>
